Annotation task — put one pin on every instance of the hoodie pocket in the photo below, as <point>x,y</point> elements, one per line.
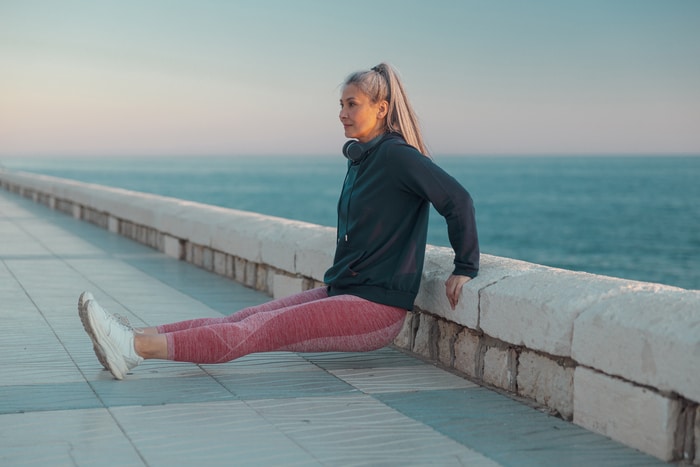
<point>347,267</point>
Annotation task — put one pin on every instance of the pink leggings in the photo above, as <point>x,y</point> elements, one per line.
<point>310,321</point>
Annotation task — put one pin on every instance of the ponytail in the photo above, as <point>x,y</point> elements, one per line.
<point>382,82</point>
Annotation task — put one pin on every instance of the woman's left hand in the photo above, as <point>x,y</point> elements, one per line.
<point>453,287</point>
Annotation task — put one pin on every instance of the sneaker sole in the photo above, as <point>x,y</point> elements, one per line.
<point>82,312</point>
<point>115,363</point>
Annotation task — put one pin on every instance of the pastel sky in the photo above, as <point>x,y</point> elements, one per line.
<point>165,77</point>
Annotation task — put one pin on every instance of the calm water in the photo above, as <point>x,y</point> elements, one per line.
<point>631,217</point>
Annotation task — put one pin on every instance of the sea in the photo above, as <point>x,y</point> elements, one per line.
<point>634,217</point>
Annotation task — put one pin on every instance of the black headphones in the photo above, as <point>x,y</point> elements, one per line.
<point>356,151</point>
<point>353,150</point>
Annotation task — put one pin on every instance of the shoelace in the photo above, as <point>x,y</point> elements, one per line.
<point>124,321</point>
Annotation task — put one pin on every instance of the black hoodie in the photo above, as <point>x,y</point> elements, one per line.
<point>383,224</point>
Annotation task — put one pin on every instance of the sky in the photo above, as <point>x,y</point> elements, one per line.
<point>239,77</point>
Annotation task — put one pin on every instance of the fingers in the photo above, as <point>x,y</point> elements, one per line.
<point>453,288</point>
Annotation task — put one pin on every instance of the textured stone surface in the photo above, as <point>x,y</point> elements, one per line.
<point>404,340</point>
<point>172,247</point>
<point>113,224</point>
<point>537,309</point>
<point>220,263</point>
<point>650,335</point>
<point>285,286</point>
<point>466,350</point>
<point>424,341</point>
<point>447,335</point>
<point>624,412</point>
<point>499,365</point>
<point>437,268</point>
<point>545,381</point>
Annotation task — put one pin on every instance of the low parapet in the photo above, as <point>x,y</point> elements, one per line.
<point>619,357</point>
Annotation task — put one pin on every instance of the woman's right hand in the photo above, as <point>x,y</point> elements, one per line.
<point>453,288</point>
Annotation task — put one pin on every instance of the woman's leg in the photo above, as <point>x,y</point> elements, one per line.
<point>342,323</point>
<point>303,297</point>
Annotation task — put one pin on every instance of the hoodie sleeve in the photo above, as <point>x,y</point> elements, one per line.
<point>420,175</point>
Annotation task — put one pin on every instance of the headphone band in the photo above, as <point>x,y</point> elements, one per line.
<point>355,151</point>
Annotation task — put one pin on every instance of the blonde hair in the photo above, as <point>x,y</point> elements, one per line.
<point>382,82</point>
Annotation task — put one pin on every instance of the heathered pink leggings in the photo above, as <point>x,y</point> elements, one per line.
<point>307,322</point>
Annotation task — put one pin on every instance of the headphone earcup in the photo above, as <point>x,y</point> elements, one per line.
<point>353,150</point>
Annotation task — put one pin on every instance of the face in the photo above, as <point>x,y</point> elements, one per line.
<point>362,119</point>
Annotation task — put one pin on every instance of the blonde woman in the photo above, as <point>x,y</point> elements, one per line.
<point>382,228</point>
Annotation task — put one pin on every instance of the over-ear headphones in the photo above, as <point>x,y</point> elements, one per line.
<point>353,150</point>
<point>356,151</point>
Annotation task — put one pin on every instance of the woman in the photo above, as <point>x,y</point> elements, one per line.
<point>382,228</point>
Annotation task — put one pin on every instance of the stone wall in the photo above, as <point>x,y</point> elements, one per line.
<point>618,357</point>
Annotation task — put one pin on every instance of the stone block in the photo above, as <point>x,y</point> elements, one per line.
<point>240,233</point>
<point>239,269</point>
<point>545,381</point>
<point>197,252</point>
<point>230,266</point>
<point>447,334</point>
<point>113,224</point>
<point>466,352</point>
<point>315,252</point>
<point>650,335</point>
<point>263,278</point>
<point>404,340</point>
<point>424,342</point>
<point>500,366</point>
<point>77,211</point>
<point>172,247</point>
<point>537,309</point>
<point>439,263</point>
<point>283,242</point>
<point>630,414</point>
<point>220,263</point>
<point>284,286</point>
<point>207,258</point>
<point>251,274</point>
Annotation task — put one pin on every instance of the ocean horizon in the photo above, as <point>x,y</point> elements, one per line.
<point>630,216</point>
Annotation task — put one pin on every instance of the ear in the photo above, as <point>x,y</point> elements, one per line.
<point>383,109</point>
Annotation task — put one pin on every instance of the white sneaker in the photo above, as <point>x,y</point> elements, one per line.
<point>82,312</point>
<point>113,339</point>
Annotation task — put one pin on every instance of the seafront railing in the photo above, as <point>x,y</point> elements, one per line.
<point>618,357</point>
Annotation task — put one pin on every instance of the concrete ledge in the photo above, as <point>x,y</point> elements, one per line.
<point>619,357</point>
<point>650,334</point>
<point>631,414</point>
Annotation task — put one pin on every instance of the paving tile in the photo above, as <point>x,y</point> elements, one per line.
<point>65,438</point>
<point>210,434</point>
<point>274,385</point>
<point>359,430</point>
<point>386,357</point>
<point>510,432</point>
<point>45,397</point>
<point>160,391</point>
<point>403,379</point>
<point>261,363</point>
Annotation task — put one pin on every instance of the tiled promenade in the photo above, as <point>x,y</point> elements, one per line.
<point>59,408</point>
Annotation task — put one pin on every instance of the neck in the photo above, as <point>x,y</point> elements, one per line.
<point>373,136</point>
